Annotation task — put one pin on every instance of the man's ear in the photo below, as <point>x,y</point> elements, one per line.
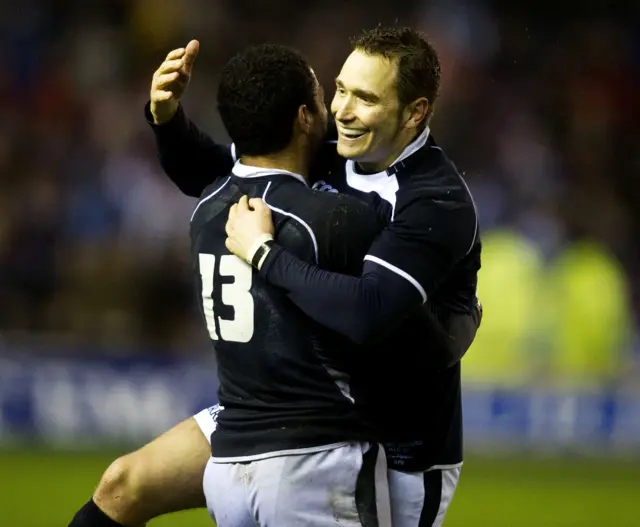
<point>305,119</point>
<point>415,113</point>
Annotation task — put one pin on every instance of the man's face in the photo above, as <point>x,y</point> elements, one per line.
<point>367,111</point>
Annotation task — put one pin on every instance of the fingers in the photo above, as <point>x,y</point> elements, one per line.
<point>170,66</point>
<point>180,59</point>
<point>243,204</point>
<point>164,80</point>
<point>230,246</point>
<point>175,54</point>
<point>190,55</point>
<point>162,95</point>
<point>233,211</point>
<point>258,205</point>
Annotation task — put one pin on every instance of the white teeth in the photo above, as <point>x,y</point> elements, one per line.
<point>351,133</point>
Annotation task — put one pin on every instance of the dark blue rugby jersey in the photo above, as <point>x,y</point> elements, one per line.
<point>432,242</point>
<point>284,378</point>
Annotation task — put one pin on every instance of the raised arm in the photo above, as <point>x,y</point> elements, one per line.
<point>189,156</point>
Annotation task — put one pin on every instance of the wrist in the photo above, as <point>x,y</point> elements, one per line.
<point>163,112</point>
<point>257,253</point>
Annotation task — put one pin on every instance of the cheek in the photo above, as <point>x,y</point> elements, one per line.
<point>335,105</point>
<point>384,134</point>
<point>366,116</point>
<point>374,120</point>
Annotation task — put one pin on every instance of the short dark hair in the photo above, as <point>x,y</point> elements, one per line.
<point>260,91</point>
<point>417,60</point>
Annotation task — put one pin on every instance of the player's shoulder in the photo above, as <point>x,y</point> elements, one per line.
<point>214,188</point>
<point>327,220</point>
<point>434,198</point>
<point>320,208</point>
<point>213,201</point>
<point>431,178</point>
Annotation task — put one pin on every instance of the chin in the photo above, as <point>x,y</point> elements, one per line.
<point>349,151</point>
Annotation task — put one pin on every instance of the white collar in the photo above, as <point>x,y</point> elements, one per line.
<point>247,171</point>
<point>410,149</point>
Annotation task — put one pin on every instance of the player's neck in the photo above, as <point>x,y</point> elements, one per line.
<point>283,160</point>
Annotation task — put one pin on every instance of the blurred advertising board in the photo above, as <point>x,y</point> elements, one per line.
<point>95,401</point>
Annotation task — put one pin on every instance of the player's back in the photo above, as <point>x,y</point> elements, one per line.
<point>284,379</point>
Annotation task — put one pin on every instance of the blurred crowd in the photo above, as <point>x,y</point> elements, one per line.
<point>539,111</point>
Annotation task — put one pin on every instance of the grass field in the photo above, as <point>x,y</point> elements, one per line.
<point>43,489</point>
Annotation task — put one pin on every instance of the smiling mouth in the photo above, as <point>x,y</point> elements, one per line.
<point>350,134</point>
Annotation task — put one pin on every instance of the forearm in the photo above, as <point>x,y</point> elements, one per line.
<point>190,157</point>
<point>362,308</point>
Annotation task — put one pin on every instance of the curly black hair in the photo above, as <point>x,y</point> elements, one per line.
<point>418,63</point>
<point>260,91</point>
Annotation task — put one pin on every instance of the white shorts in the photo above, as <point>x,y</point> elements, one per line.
<point>207,420</point>
<point>418,499</point>
<point>342,487</point>
<point>421,499</point>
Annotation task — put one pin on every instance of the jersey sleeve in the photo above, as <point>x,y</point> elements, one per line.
<point>404,264</point>
<point>425,240</point>
<point>363,308</point>
<point>189,156</point>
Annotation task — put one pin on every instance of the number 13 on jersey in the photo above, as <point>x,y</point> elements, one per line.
<point>236,295</point>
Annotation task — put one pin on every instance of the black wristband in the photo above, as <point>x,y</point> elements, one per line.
<point>261,253</point>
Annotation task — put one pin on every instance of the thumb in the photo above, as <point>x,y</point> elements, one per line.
<point>190,54</point>
<point>243,204</point>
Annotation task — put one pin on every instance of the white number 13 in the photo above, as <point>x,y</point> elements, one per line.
<point>236,294</point>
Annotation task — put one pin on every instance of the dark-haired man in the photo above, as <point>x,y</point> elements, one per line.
<point>290,444</point>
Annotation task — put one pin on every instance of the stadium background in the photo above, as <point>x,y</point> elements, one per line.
<point>100,345</point>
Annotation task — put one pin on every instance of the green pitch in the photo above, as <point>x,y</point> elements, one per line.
<point>43,489</point>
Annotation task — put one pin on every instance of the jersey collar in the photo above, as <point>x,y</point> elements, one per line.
<point>409,150</point>
<point>246,171</point>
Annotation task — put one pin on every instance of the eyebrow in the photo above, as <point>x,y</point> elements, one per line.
<point>362,94</point>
